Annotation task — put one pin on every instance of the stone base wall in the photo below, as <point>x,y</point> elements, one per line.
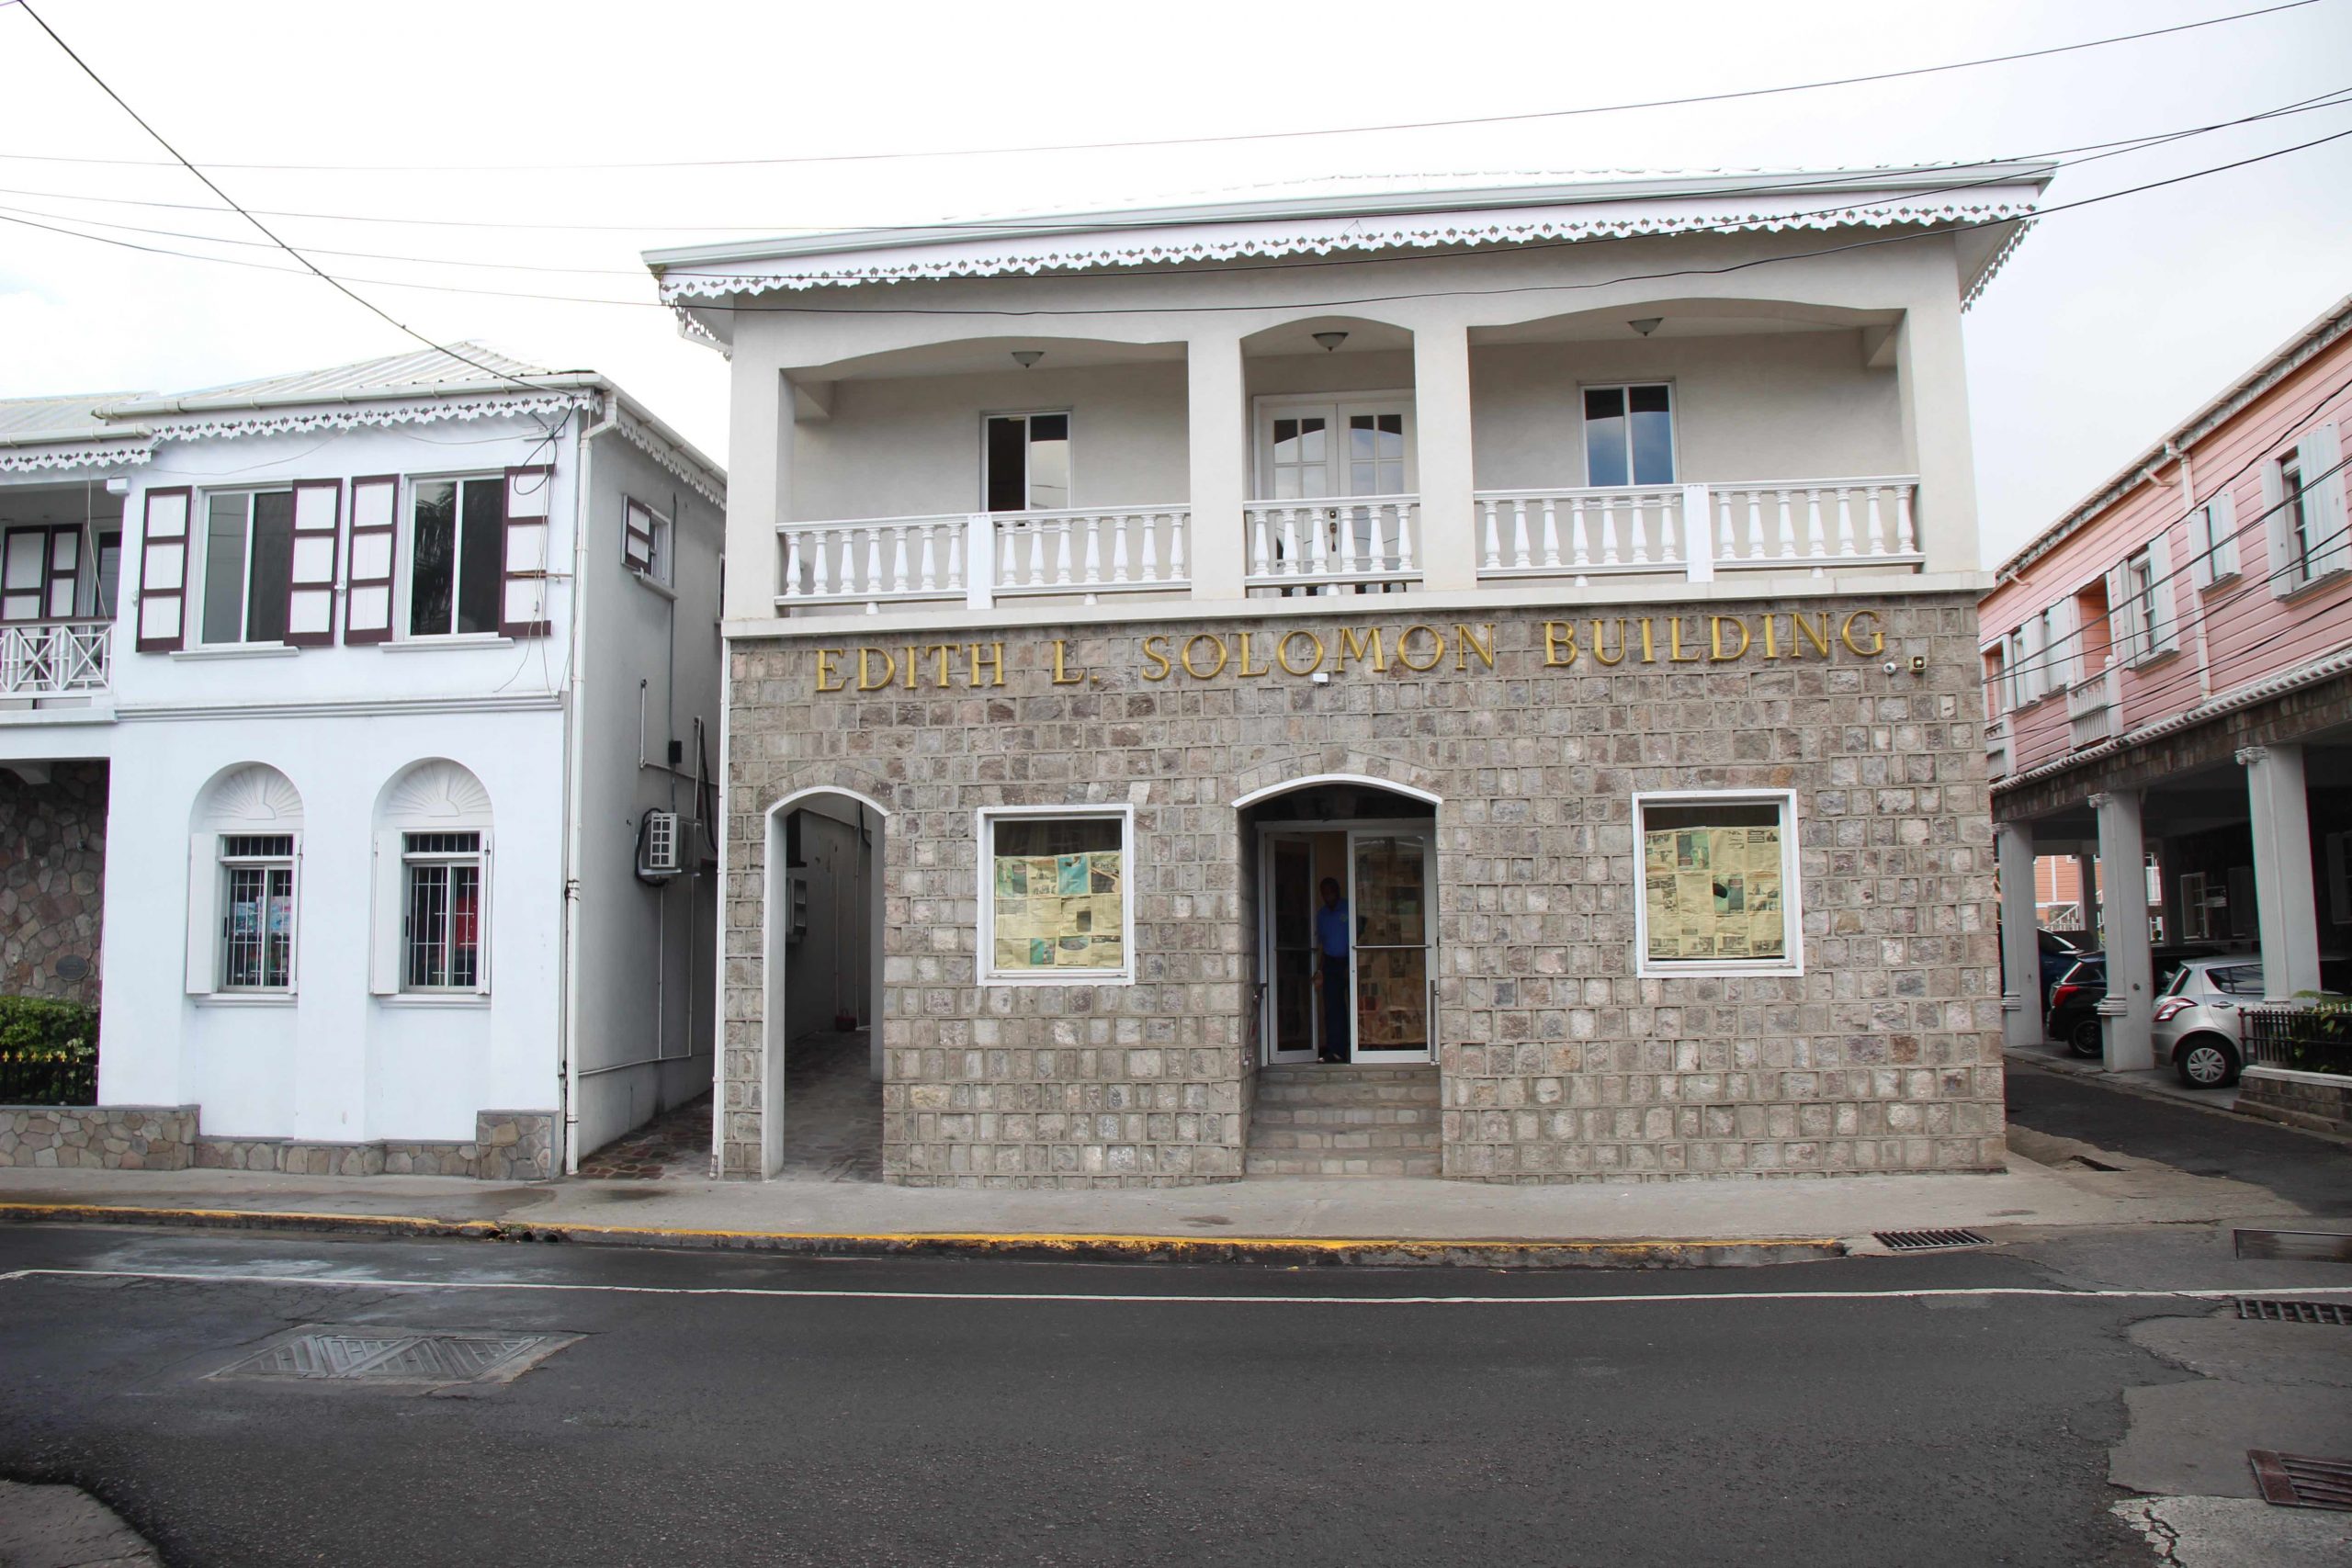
<point>508,1146</point>
<point>96,1138</point>
<point>1559,1060</point>
<point>2317,1103</point>
<point>53,880</point>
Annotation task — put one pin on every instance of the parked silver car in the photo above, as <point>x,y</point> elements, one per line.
<point>2196,1019</point>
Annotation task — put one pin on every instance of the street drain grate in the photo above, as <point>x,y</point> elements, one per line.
<point>1923,1241</point>
<point>2294,1312</point>
<point>392,1356</point>
<point>2299,1481</point>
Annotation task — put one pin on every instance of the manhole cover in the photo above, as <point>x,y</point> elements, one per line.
<point>1923,1241</point>
<point>438,1359</point>
<point>2295,1312</point>
<point>2299,1481</point>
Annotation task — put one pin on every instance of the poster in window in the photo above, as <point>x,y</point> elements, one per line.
<point>1059,911</point>
<point>1714,893</point>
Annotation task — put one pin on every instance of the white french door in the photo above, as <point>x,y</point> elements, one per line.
<point>1310,448</point>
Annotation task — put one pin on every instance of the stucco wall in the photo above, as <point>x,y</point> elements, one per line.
<point>1559,1062</point>
<point>52,870</point>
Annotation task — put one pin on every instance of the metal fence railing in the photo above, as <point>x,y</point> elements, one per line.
<point>38,1077</point>
<point>2304,1039</point>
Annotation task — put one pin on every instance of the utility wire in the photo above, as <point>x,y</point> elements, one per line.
<point>2073,159</point>
<point>754,307</point>
<point>230,202</point>
<point>1137,143</point>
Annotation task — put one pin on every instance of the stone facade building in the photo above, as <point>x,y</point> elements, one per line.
<point>52,872</point>
<point>1465,739</point>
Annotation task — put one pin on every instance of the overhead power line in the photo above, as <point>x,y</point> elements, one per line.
<point>1135,143</point>
<point>2097,152</point>
<point>230,202</point>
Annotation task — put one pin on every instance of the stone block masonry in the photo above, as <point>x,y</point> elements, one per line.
<point>508,1146</point>
<point>1558,1061</point>
<point>53,875</point>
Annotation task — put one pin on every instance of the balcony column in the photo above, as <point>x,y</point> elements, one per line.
<point>1441,426</point>
<point>758,487</point>
<point>1219,464</point>
<point>2125,1015</point>
<point>1931,389</point>
<point>2021,1001</point>
<point>2285,901</point>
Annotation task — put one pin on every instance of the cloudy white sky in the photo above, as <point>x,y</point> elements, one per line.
<point>2110,323</point>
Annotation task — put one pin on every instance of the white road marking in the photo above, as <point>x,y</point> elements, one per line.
<point>2027,1293</point>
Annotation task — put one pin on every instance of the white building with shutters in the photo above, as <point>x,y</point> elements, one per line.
<point>405,700</point>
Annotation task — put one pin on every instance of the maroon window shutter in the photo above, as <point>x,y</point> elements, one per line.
<point>310,565</point>
<point>162,612</point>
<point>523,603</point>
<point>367,607</point>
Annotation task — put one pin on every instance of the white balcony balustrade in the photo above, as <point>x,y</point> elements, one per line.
<point>56,659</point>
<point>974,557</point>
<point>1091,551</point>
<point>1697,529</point>
<point>1333,544</point>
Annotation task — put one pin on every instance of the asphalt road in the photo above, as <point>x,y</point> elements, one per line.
<point>1276,1417</point>
<point>2316,1173</point>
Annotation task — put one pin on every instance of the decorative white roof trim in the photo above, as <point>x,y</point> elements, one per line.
<point>354,416</point>
<point>2015,238</point>
<point>693,475</point>
<point>1183,243</point>
<point>35,458</point>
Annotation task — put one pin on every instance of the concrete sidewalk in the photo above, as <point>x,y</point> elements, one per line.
<point>1295,1219</point>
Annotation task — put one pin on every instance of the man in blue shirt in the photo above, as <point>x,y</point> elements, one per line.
<point>1331,968</point>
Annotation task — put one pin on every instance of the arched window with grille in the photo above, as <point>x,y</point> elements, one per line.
<point>243,878</point>
<point>431,884</point>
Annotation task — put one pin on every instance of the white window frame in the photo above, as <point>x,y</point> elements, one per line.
<point>225,865</point>
<point>1673,430</point>
<point>2213,535</point>
<point>640,521</point>
<point>1791,889</point>
<point>411,488</point>
<point>1062,412</point>
<point>2196,914</point>
<point>479,858</point>
<point>2140,628</point>
<point>984,822</point>
<point>200,581</point>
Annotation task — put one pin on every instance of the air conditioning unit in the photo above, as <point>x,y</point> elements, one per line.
<point>660,847</point>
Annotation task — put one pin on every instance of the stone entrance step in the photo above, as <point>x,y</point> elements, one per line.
<point>1310,1119</point>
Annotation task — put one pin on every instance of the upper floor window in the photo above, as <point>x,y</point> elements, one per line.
<point>248,566</point>
<point>1027,462</point>
<point>2303,491</point>
<point>1629,435</point>
<point>38,568</point>
<point>645,542</point>
<point>2213,535</point>
<point>456,556</point>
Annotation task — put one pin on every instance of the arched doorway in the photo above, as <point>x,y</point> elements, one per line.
<point>821,1088</point>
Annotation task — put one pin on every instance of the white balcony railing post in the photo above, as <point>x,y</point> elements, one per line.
<point>979,562</point>
<point>1698,535</point>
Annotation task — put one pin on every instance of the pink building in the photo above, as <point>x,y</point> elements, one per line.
<point>2168,683</point>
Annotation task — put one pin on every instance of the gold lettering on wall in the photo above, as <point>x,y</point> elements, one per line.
<point>1716,624</point>
<point>1820,639</point>
<point>1559,644</point>
<point>1281,653</point>
<point>1242,665</point>
<point>825,670</point>
<point>1405,645</point>
<point>1352,646</point>
<point>1600,646</point>
<point>993,658</point>
<point>866,680</point>
<point>1195,641</point>
<point>1157,658</point>
<point>1878,638</point>
<point>1062,674</point>
<point>1466,643</point>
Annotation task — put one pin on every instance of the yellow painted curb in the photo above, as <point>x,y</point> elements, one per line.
<point>1629,1252</point>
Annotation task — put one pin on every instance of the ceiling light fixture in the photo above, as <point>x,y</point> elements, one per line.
<point>1027,357</point>
<point>1647,325</point>
<point>1330,340</point>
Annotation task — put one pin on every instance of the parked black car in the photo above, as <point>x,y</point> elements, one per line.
<point>2058,955</point>
<point>2073,1001</point>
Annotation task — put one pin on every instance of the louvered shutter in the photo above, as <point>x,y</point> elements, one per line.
<point>2286,567</point>
<point>2322,453</point>
<point>2164,594</point>
<point>2036,668</point>
<point>2065,660</point>
<point>368,602</point>
<point>523,588</point>
<point>311,566</point>
<point>162,612</point>
<point>2222,530</point>
<point>2124,628</point>
<point>203,911</point>
<point>387,896</point>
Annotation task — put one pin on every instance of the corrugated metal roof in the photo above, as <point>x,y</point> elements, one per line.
<point>47,418</point>
<point>393,374</point>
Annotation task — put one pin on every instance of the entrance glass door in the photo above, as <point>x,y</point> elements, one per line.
<point>1388,898</point>
<point>1287,948</point>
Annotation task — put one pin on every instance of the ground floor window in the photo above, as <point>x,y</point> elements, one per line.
<point>257,911</point>
<point>442,931</point>
<point>1718,883</point>
<point>1054,896</point>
